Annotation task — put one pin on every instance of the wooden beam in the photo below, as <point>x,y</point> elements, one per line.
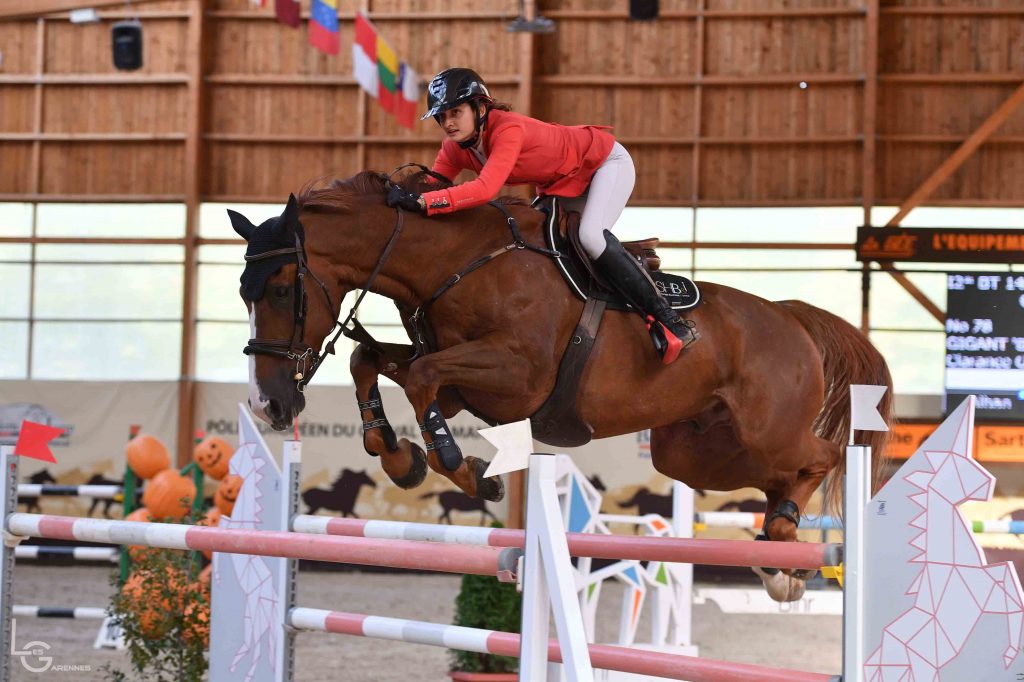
<point>938,176</point>
<point>869,157</point>
<point>957,158</point>
<point>36,8</point>
<point>195,65</point>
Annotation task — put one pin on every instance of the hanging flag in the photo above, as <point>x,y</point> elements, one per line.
<point>288,12</point>
<point>258,3</point>
<point>387,70</point>
<point>409,88</point>
<point>33,441</point>
<point>364,55</point>
<point>323,26</point>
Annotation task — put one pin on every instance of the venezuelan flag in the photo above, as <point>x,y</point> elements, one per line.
<point>323,26</point>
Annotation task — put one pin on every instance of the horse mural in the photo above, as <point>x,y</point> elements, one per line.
<point>342,495</point>
<point>760,401</point>
<point>456,500</point>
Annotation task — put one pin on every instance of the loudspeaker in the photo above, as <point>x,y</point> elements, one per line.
<point>643,10</point>
<point>127,43</point>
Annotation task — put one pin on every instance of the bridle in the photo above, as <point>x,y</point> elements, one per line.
<point>307,359</point>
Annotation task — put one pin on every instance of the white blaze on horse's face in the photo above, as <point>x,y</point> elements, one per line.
<point>257,402</point>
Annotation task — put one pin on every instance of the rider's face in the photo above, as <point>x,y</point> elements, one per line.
<point>458,122</point>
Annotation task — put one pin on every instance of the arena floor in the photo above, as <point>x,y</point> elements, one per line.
<point>811,643</point>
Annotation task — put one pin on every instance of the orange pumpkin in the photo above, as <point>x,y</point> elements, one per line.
<point>138,552</point>
<point>147,456</point>
<point>227,493</point>
<point>169,495</point>
<point>212,519</point>
<point>212,456</point>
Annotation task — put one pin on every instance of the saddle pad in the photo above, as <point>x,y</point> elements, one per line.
<point>680,292</point>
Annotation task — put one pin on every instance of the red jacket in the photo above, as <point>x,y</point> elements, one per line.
<point>559,159</point>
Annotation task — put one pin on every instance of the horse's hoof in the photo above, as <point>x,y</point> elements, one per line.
<point>491,489</point>
<point>782,587</point>
<point>417,469</point>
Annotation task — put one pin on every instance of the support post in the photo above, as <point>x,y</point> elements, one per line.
<point>858,494</point>
<point>291,470</point>
<point>8,505</point>
<point>548,584</point>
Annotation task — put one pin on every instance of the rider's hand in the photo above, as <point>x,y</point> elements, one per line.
<point>408,201</point>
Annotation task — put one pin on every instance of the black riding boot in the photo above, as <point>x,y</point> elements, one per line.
<point>669,332</point>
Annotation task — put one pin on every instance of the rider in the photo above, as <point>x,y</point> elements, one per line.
<point>575,162</point>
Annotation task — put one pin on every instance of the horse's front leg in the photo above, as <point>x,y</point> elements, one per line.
<point>489,365</point>
<point>402,460</point>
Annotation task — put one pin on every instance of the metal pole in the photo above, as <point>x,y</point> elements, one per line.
<point>858,493</point>
<point>9,502</point>
<point>291,470</point>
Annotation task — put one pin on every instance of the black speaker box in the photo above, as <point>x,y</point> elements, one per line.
<point>643,10</point>
<point>127,43</point>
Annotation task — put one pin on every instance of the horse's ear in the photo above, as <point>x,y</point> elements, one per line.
<point>241,224</point>
<point>288,223</point>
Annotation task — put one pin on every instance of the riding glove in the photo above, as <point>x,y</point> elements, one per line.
<point>407,201</point>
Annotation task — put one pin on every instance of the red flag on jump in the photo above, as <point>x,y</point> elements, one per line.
<point>33,440</point>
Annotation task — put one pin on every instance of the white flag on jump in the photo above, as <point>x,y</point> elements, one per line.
<point>864,414</point>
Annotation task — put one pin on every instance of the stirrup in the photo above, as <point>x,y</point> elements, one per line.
<point>668,345</point>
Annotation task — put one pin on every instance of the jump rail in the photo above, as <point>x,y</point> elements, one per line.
<point>363,551</point>
<point>625,659</point>
<point>808,555</point>
<point>98,492</point>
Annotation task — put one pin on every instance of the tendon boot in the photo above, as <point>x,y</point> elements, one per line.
<point>669,332</point>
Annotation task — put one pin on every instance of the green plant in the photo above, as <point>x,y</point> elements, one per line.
<point>484,602</point>
<point>163,612</point>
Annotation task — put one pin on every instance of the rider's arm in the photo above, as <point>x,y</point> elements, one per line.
<point>505,148</point>
<point>445,165</point>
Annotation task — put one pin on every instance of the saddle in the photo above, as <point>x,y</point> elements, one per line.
<point>562,234</point>
<point>557,422</point>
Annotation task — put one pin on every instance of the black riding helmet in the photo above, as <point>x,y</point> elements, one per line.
<point>452,87</point>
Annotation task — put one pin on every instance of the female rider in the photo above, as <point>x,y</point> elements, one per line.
<point>581,163</point>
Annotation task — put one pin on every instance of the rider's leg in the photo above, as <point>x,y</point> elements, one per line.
<point>607,196</point>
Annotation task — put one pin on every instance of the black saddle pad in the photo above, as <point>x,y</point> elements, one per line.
<point>681,292</point>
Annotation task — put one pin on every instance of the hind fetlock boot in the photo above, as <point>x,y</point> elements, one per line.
<point>669,332</point>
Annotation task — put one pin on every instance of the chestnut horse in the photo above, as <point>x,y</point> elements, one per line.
<point>761,400</point>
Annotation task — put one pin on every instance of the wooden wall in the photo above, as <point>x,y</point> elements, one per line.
<point>708,98</point>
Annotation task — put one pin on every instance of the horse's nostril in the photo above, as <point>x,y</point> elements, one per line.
<point>274,410</point>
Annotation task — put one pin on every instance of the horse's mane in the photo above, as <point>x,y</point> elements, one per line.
<point>341,196</point>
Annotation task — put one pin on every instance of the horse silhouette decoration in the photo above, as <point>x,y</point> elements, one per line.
<point>342,495</point>
<point>761,400</point>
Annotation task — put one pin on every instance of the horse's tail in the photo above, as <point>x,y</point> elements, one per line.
<point>848,357</point>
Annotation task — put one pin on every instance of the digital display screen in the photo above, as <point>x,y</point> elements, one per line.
<point>985,343</point>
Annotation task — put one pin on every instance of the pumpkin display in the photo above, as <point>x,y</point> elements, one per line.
<point>210,518</point>
<point>212,455</point>
<point>169,495</point>
<point>138,552</point>
<point>227,493</point>
<point>147,456</point>
<point>205,576</point>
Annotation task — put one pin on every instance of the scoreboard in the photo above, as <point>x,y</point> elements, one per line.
<point>985,343</point>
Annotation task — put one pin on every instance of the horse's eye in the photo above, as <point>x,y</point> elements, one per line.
<point>281,291</point>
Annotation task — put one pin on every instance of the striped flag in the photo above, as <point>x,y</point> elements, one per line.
<point>323,26</point>
<point>409,87</point>
<point>387,71</point>
<point>364,55</point>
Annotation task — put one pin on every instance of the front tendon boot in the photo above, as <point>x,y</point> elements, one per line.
<point>669,332</point>
<point>441,439</point>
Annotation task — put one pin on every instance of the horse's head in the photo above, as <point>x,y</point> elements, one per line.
<point>293,302</point>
